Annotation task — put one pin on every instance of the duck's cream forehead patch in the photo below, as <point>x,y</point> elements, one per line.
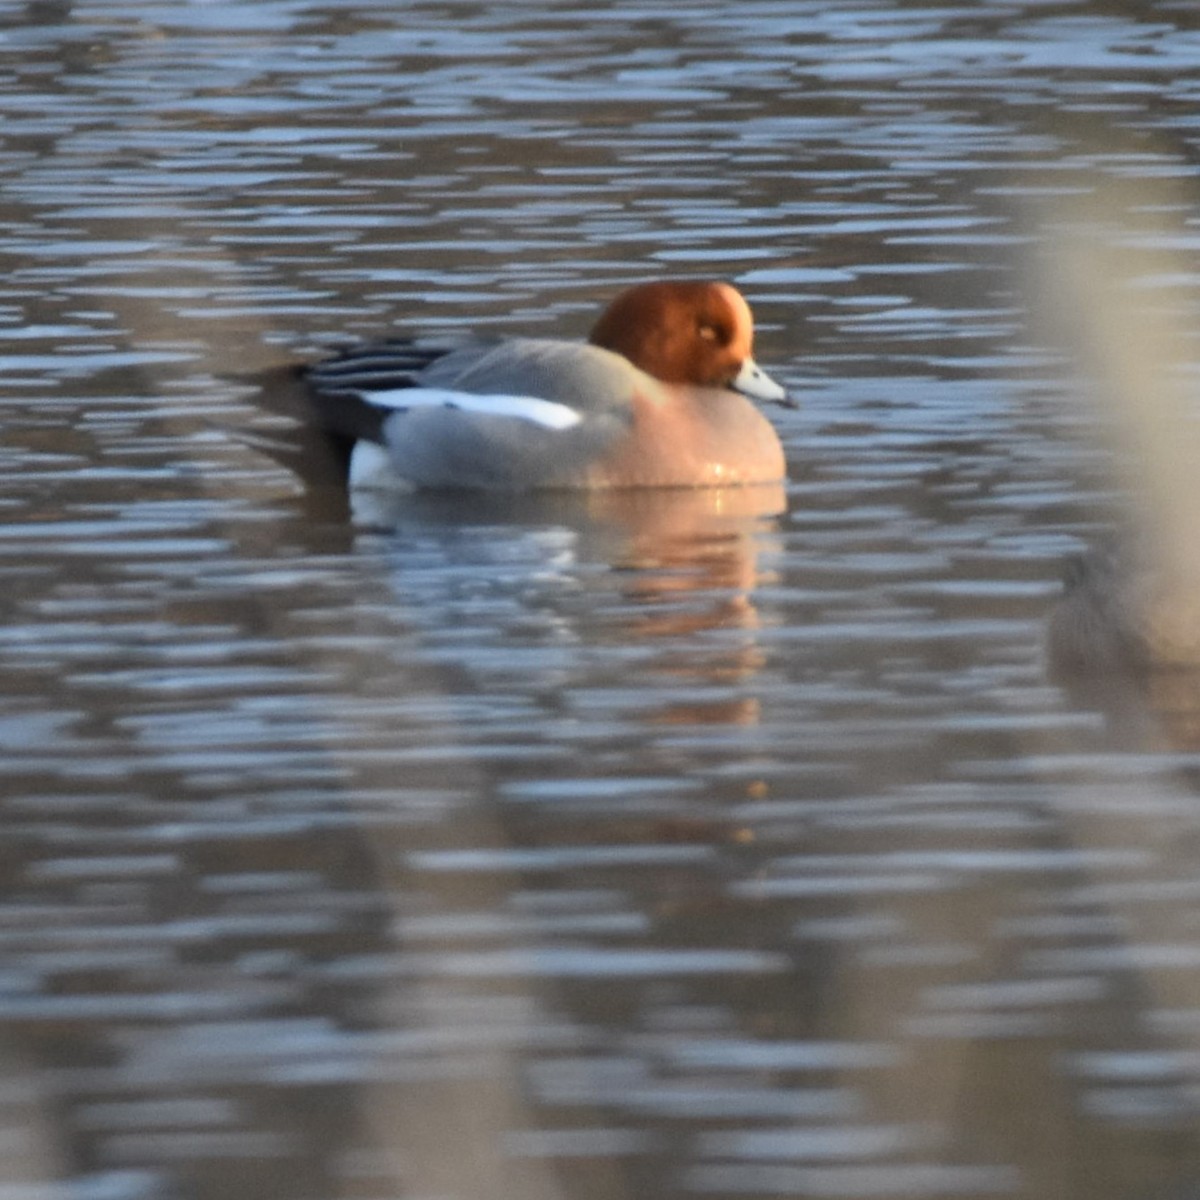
<point>738,305</point>
<point>546,413</point>
<point>742,319</point>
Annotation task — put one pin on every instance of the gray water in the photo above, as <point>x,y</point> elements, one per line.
<point>677,845</point>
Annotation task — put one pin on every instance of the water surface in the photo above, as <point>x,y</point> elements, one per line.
<point>722,845</point>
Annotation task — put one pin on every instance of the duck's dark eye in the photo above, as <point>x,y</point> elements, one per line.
<point>711,333</point>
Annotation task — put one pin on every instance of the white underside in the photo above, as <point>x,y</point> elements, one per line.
<point>371,467</point>
<point>546,413</point>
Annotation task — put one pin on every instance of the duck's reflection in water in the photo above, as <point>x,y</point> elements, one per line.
<point>694,563</point>
<point>680,562</point>
<point>600,619</point>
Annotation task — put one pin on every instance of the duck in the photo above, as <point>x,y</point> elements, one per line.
<point>1123,640</point>
<point>662,395</point>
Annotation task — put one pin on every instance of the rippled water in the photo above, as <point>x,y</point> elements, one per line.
<point>649,846</point>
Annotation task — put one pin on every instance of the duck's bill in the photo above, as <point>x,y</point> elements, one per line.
<point>754,382</point>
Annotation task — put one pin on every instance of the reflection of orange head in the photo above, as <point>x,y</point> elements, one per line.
<point>740,710</point>
<point>693,556</point>
<point>698,538</point>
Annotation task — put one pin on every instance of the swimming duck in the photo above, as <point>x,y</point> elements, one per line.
<point>661,395</point>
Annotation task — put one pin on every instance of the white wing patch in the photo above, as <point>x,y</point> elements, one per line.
<point>546,413</point>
